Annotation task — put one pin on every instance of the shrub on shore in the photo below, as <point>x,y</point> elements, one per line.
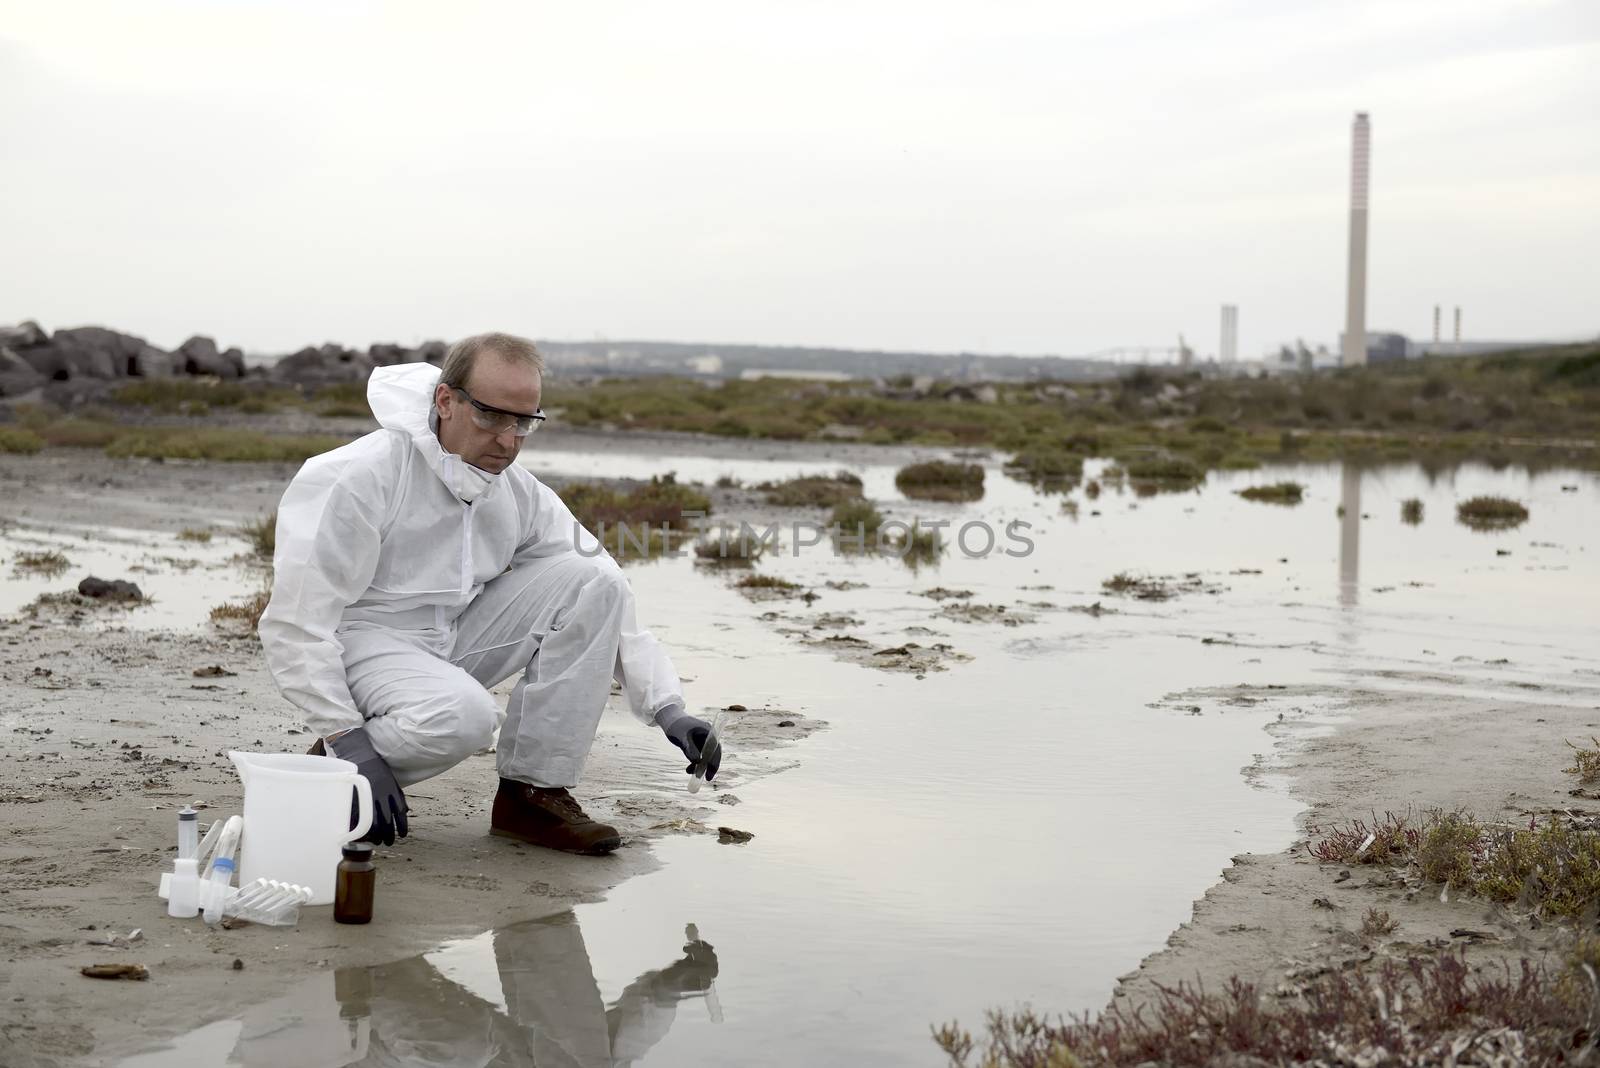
<point>940,480</point>
<point>1423,1010</point>
<point>1165,472</point>
<point>48,562</point>
<point>1275,493</point>
<point>1047,466</point>
<point>1411,511</point>
<point>262,534</point>
<point>219,443</point>
<point>813,491</point>
<point>13,439</point>
<point>637,523</point>
<point>242,613</point>
<point>1491,513</point>
<point>854,519</point>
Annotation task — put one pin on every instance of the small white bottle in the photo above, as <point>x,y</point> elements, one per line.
<point>221,877</point>
<point>183,895</point>
<point>188,834</point>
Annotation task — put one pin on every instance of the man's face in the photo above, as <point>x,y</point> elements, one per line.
<point>497,383</point>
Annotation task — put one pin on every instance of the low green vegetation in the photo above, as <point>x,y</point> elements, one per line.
<point>48,563</point>
<point>1445,408</point>
<point>940,480</point>
<point>1163,474</point>
<point>1491,513</point>
<point>1411,511</point>
<point>1585,762</point>
<point>1048,466</point>
<point>219,443</point>
<point>813,491</point>
<point>727,548</point>
<point>1275,493</point>
<point>17,440</point>
<point>194,534</point>
<point>1553,867</point>
<point>641,522</point>
<point>1427,1009</point>
<point>917,547</point>
<point>765,582</point>
<point>856,519</point>
<point>197,396</point>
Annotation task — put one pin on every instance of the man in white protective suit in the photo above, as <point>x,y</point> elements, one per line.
<point>419,565</point>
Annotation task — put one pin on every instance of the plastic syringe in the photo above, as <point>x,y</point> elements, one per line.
<point>713,745</point>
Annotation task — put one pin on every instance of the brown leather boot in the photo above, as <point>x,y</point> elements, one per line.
<point>548,817</point>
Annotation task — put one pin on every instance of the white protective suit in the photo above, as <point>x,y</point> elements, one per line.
<point>395,603</point>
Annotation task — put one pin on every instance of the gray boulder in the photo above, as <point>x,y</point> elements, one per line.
<point>25,335</point>
<point>199,356</point>
<point>322,365</point>
<point>430,352</point>
<point>385,354</point>
<point>17,376</point>
<point>97,353</point>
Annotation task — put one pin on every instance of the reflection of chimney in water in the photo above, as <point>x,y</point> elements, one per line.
<point>1349,535</point>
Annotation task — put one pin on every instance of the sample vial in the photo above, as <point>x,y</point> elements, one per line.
<point>352,894</point>
<point>188,833</point>
<point>183,893</point>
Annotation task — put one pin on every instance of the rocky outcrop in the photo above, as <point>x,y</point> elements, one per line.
<point>81,363</point>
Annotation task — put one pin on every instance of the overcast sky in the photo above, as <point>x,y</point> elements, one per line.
<point>1050,177</point>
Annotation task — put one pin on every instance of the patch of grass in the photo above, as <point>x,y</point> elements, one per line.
<point>79,433</point>
<point>855,519</point>
<point>917,547</point>
<point>1165,471</point>
<point>1377,923</point>
<point>1275,493</point>
<point>729,548</point>
<point>813,491</point>
<point>660,502</point>
<point>1239,462</point>
<point>48,563</point>
<point>262,534</point>
<point>196,396</point>
<point>1411,511</point>
<point>246,612</point>
<point>1585,762</point>
<point>727,482</point>
<point>1553,868</point>
<point>1449,847</point>
<point>1152,587</point>
<point>1047,466</point>
<point>1416,1011</point>
<point>765,582</point>
<point>342,399</point>
<point>194,534</point>
<point>1491,513</point>
<point>13,439</point>
<point>940,480</point>
<point>219,443</point>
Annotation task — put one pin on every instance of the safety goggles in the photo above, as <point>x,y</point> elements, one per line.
<point>498,420</point>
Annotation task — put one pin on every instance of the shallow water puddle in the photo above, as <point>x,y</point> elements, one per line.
<point>1024,826</point>
<point>182,580</point>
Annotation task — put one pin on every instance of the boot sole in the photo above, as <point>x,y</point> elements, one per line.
<point>599,849</point>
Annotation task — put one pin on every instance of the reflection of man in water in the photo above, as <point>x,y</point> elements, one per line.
<point>549,1012</point>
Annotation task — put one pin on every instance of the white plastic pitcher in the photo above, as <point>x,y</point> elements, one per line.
<point>296,816</point>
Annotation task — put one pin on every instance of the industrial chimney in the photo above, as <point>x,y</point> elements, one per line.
<point>1355,314</point>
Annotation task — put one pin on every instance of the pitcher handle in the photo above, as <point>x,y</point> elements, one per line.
<point>363,808</point>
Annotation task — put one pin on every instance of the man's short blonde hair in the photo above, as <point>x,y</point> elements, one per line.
<point>463,356</point>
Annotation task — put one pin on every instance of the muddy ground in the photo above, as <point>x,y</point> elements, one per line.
<point>108,731</point>
<point>1279,920</point>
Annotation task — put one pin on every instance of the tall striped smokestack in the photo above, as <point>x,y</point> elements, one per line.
<point>1355,309</point>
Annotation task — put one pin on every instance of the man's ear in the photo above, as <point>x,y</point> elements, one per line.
<point>442,398</point>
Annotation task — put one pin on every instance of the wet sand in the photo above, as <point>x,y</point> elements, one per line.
<point>1278,920</point>
<point>109,731</point>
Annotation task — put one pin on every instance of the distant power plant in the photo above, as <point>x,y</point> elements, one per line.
<point>1355,313</point>
<point>1228,352</point>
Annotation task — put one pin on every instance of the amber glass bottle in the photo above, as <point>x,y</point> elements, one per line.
<point>352,895</point>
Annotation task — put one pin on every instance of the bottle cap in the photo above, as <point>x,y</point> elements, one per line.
<point>186,813</point>
<point>222,864</point>
<point>358,850</point>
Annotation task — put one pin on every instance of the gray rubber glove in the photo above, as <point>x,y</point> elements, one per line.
<point>691,734</point>
<point>388,803</point>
